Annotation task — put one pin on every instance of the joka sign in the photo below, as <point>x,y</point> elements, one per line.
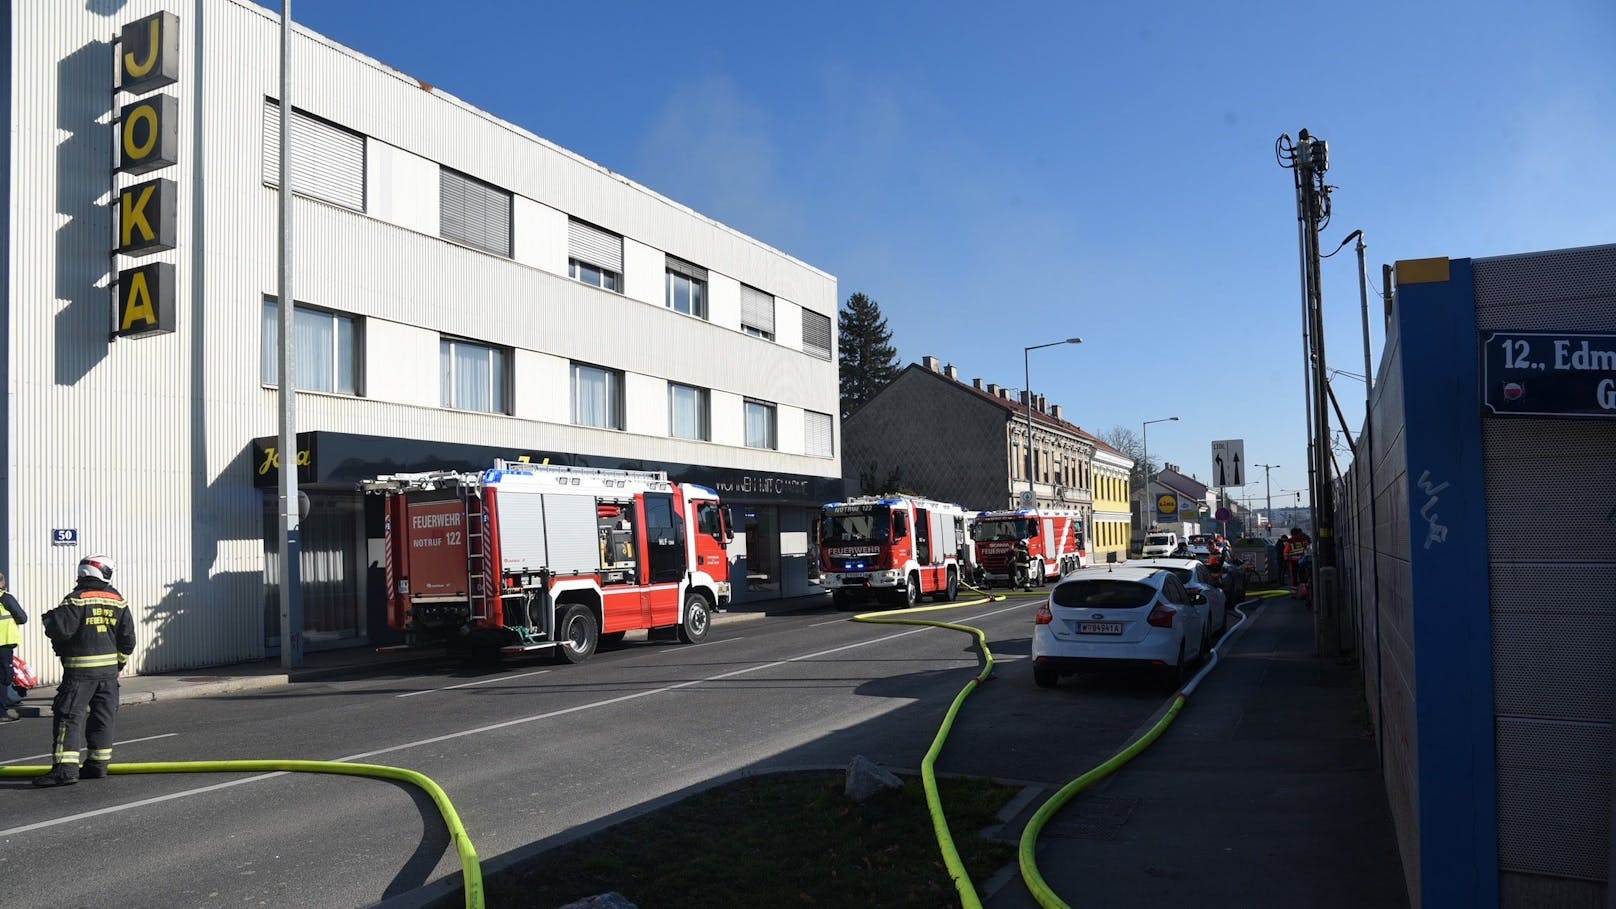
<point>148,140</point>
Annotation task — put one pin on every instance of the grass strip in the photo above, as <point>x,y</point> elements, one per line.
<point>789,839</point>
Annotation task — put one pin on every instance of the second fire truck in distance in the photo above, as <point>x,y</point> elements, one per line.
<point>892,548</point>
<point>536,557</point>
<point>1054,541</point>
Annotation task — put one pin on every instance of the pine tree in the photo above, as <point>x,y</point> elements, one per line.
<point>866,355</point>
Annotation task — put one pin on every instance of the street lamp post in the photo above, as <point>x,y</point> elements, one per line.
<point>1267,482</point>
<point>1144,432</point>
<point>1026,365</point>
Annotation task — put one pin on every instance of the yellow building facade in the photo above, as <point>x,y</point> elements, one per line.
<point>1112,517</point>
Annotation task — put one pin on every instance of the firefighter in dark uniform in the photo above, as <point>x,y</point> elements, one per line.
<point>1021,566</point>
<point>94,635</point>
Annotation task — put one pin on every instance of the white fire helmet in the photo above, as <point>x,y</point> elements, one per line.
<point>96,566</point>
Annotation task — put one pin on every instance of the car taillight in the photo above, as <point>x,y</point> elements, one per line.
<point>1043,616</point>
<point>1161,615</point>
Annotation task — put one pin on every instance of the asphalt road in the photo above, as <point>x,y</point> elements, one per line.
<point>528,751</point>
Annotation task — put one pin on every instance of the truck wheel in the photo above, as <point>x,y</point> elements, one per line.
<point>840,600</point>
<point>949,593</point>
<point>577,635</point>
<point>911,592</point>
<point>698,620</point>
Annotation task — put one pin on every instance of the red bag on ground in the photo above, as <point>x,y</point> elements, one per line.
<point>22,676</point>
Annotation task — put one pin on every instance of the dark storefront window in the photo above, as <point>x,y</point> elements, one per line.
<point>332,563</point>
<point>761,524</point>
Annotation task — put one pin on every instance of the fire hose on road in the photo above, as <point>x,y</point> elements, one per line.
<point>470,867</point>
<point>1026,856</point>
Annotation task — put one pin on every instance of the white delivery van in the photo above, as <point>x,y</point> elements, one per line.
<point>1160,543</point>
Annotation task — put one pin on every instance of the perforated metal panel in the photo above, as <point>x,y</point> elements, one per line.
<point>1563,290</point>
<point>1552,571</point>
<point>1540,475</point>
<point>1554,798</point>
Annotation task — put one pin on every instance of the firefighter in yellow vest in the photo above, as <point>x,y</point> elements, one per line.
<point>11,615</point>
<point>94,635</point>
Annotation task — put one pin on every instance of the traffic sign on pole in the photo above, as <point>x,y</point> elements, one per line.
<point>1229,463</point>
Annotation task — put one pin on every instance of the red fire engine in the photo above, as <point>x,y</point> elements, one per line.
<point>896,548</point>
<point>1054,542</point>
<point>527,557</point>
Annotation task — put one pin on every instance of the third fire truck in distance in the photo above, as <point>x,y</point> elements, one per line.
<point>895,548</point>
<point>538,557</point>
<point>1054,542</point>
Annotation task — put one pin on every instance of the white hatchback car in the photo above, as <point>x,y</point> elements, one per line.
<point>1119,616</point>
<point>1197,578</point>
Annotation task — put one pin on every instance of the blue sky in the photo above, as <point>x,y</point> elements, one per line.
<point>1002,175</point>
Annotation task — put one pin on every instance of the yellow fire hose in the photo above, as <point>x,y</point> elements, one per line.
<point>1026,858</point>
<point>928,766</point>
<point>471,869</point>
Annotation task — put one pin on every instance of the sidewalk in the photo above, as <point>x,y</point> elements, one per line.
<point>1264,792</point>
<point>320,664</point>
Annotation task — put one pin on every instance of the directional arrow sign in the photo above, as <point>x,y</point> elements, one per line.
<point>1229,463</point>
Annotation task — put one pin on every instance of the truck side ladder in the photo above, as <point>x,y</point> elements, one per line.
<point>477,569</point>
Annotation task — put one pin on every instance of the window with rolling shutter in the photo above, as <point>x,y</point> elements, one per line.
<point>816,334</point>
<point>687,288</point>
<point>757,312</point>
<point>588,243</point>
<point>819,438</point>
<point>474,213</point>
<point>328,162</point>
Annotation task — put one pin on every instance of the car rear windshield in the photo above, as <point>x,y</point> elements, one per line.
<point>1102,594</point>
<point>1158,539</point>
<point>1183,574</point>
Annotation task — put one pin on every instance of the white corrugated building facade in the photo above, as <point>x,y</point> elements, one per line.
<point>465,290</point>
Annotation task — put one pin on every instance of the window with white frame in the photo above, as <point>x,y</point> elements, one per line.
<point>475,213</point>
<point>473,376</point>
<point>594,256</point>
<point>819,434</point>
<point>688,412</point>
<point>816,334</point>
<point>760,425</point>
<point>757,313</point>
<point>327,161</point>
<point>597,396</point>
<point>687,288</point>
<point>325,349</point>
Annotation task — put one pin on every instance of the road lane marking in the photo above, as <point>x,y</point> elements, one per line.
<point>500,678</point>
<point>35,757</point>
<point>494,727</point>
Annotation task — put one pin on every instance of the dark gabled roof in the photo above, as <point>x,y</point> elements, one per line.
<point>1192,489</point>
<point>1015,408</point>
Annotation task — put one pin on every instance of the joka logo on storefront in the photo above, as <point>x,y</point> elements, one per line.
<point>148,140</point>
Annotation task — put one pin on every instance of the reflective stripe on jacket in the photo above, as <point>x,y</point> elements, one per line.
<point>10,635</point>
<point>92,631</point>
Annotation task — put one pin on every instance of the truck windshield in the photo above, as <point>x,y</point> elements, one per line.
<point>1158,539</point>
<point>872,526</point>
<point>1004,529</point>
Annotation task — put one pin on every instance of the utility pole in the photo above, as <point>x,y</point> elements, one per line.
<point>291,542</point>
<point>1269,484</point>
<point>1309,158</point>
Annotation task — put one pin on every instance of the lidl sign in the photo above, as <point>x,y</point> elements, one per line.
<point>148,140</point>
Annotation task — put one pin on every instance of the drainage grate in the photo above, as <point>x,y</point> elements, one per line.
<point>1092,817</point>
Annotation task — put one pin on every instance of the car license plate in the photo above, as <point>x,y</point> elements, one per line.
<point>855,582</point>
<point>1099,627</point>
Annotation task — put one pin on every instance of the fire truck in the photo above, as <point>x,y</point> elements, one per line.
<point>527,557</point>
<point>892,548</point>
<point>1054,541</point>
